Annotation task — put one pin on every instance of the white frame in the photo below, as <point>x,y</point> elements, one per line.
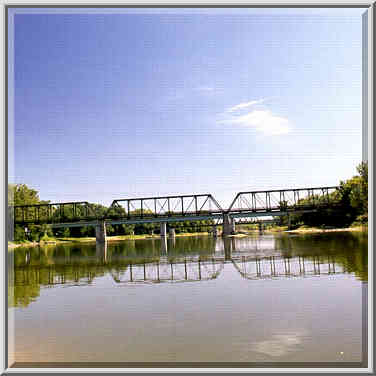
<point>369,8</point>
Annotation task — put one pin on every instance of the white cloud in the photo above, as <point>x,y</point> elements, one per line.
<point>205,88</point>
<point>240,106</point>
<point>262,121</point>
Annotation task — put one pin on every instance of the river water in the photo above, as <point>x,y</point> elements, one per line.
<point>262,299</point>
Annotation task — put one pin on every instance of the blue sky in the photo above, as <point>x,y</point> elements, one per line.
<point>144,103</point>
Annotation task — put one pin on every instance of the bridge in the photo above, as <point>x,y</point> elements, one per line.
<point>169,209</point>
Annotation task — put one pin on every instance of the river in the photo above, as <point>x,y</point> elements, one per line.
<point>262,299</point>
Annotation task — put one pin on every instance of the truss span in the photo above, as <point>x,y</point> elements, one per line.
<point>176,208</point>
<point>284,200</point>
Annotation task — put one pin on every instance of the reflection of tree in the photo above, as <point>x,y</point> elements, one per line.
<point>349,249</point>
<point>23,295</point>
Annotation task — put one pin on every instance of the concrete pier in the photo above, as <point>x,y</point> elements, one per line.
<point>171,242</point>
<point>228,247</point>
<point>163,229</point>
<point>101,251</point>
<point>288,222</point>
<point>100,232</point>
<point>261,227</point>
<point>228,225</point>
<point>164,247</point>
<point>171,233</point>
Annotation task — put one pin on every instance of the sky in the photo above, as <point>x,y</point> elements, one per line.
<point>132,103</point>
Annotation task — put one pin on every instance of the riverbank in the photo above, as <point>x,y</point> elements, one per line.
<point>311,230</point>
<point>54,241</point>
<point>279,229</point>
<point>301,230</point>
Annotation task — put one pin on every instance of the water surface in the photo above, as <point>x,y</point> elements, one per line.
<point>263,298</point>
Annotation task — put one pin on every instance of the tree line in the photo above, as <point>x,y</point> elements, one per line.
<point>351,205</point>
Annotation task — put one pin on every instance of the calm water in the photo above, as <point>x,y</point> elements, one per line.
<point>283,298</point>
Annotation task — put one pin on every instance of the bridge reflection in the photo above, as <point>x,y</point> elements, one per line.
<point>190,259</point>
<point>273,267</point>
<point>166,268</point>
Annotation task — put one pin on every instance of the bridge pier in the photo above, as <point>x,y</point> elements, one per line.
<point>163,229</point>
<point>261,227</point>
<point>228,225</point>
<point>100,232</point>
<point>171,233</point>
<point>229,246</point>
<point>164,246</point>
<point>288,222</point>
<point>101,251</point>
<point>171,242</point>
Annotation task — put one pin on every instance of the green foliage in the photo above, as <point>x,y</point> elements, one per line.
<point>361,220</point>
<point>65,232</point>
<point>35,233</point>
<point>83,231</point>
<point>352,197</point>
<point>46,230</point>
<point>21,194</point>
<point>19,234</point>
<point>110,230</point>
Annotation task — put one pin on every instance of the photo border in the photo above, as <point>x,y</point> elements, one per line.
<point>8,168</point>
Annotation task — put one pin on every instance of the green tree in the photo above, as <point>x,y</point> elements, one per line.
<point>62,232</point>
<point>19,233</point>
<point>21,194</point>
<point>46,230</point>
<point>359,194</point>
<point>352,203</point>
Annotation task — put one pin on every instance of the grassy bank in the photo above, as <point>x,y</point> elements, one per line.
<point>305,230</point>
<point>277,229</point>
<point>49,240</point>
<point>126,237</point>
<point>25,243</point>
<point>45,240</point>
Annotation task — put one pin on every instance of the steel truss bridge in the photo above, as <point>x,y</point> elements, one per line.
<point>183,269</point>
<point>177,208</point>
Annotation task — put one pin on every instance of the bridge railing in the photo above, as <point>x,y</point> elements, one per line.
<point>169,206</point>
<point>284,199</point>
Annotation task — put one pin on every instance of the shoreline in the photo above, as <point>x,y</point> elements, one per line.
<point>89,240</point>
<point>319,230</point>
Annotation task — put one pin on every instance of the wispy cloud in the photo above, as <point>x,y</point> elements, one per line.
<point>204,88</point>
<point>240,106</point>
<point>263,121</point>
